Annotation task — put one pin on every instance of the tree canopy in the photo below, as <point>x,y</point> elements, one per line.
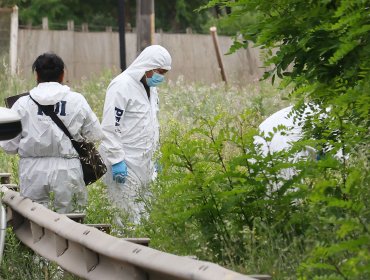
<point>170,16</point>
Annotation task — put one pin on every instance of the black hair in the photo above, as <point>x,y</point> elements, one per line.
<point>49,67</point>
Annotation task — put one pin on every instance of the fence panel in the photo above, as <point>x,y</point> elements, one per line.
<point>88,53</point>
<point>32,43</point>
<point>194,57</point>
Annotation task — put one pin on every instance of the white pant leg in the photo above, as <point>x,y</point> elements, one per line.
<point>127,196</point>
<point>57,178</point>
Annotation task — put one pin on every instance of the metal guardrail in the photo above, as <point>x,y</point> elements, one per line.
<point>2,230</point>
<point>91,254</point>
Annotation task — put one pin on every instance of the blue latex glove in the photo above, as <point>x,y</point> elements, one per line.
<point>119,171</point>
<point>158,167</point>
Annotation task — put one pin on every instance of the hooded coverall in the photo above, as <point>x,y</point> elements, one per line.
<point>131,127</point>
<point>283,141</point>
<point>279,141</point>
<point>48,162</point>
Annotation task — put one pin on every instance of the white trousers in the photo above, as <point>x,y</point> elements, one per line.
<point>56,183</point>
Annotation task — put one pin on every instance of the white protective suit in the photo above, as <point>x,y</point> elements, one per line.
<point>283,141</point>
<point>131,127</point>
<point>279,141</point>
<point>48,161</point>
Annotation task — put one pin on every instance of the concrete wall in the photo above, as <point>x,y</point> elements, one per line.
<point>88,53</point>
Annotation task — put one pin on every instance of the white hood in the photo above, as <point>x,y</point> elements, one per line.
<point>49,93</point>
<point>151,57</point>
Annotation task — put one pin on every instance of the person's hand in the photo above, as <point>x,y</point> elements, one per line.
<point>158,167</point>
<point>119,171</point>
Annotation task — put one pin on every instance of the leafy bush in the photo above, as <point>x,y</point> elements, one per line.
<point>321,48</point>
<point>216,195</point>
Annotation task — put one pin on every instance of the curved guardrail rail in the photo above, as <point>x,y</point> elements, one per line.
<point>91,254</point>
<point>2,230</point>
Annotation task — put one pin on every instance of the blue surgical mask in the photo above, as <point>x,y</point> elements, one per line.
<point>155,80</point>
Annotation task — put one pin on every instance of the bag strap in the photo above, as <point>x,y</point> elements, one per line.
<point>49,111</point>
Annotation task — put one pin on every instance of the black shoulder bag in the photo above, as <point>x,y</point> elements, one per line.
<point>93,166</point>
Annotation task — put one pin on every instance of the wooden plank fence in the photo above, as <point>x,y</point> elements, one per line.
<point>87,54</point>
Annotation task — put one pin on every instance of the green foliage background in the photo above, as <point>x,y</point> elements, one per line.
<point>170,16</point>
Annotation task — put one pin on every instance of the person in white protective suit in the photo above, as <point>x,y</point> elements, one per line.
<point>280,141</point>
<point>131,127</point>
<point>284,139</point>
<point>49,165</point>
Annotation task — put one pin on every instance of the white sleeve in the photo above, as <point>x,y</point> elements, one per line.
<point>114,111</point>
<point>91,129</point>
<point>11,146</point>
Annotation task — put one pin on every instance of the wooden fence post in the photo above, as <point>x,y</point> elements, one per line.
<point>13,53</point>
<point>45,23</point>
<point>189,30</point>
<point>128,27</point>
<point>213,30</point>
<point>70,25</point>
<point>85,27</point>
